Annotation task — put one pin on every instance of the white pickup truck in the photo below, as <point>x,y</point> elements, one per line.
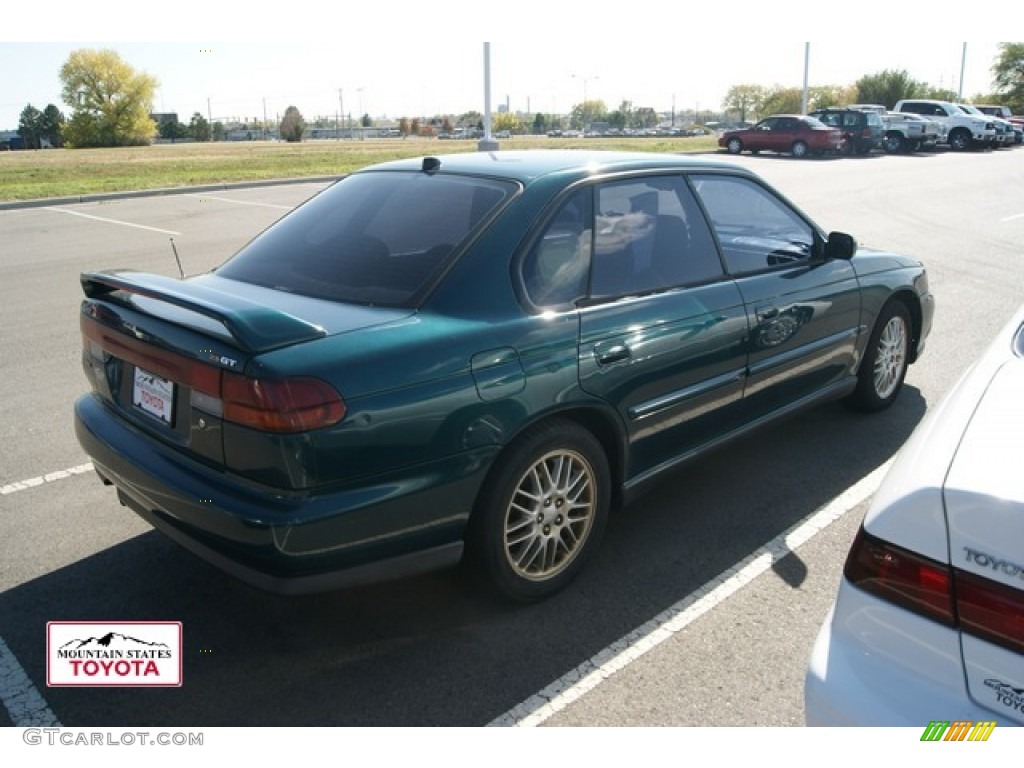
<point>958,129</point>
<point>904,131</point>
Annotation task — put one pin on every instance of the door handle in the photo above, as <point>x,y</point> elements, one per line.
<point>611,354</point>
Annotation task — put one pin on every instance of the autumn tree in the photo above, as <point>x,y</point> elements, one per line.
<point>292,125</point>
<point>506,121</point>
<point>587,112</point>
<point>744,100</point>
<point>786,101</point>
<point>111,101</point>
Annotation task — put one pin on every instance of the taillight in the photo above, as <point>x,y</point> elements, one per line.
<point>280,405</point>
<point>293,404</point>
<point>990,610</point>
<point>901,577</point>
<point>978,606</point>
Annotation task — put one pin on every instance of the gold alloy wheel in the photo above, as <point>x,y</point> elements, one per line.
<point>550,515</point>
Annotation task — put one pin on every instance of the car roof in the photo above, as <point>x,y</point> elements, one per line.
<point>527,165</point>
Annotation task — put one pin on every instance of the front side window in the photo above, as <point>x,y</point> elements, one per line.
<point>372,238</point>
<point>756,229</point>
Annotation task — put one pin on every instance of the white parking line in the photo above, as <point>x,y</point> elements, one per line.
<point>21,698</point>
<point>620,654</point>
<point>110,221</point>
<point>1011,218</point>
<point>32,482</point>
<point>240,202</point>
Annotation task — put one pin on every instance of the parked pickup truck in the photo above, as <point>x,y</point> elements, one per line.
<point>904,131</point>
<point>1001,111</point>
<point>957,128</point>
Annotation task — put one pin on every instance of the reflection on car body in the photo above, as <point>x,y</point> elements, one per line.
<point>478,354</point>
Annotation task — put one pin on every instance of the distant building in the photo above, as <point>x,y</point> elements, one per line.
<point>160,118</point>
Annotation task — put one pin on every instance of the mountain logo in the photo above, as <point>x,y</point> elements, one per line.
<point>123,654</point>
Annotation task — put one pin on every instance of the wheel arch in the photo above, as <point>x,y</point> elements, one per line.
<point>598,419</point>
<point>913,304</point>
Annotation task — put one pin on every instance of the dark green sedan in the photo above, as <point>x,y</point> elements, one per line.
<point>476,356</point>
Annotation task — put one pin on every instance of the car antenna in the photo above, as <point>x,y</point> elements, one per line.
<point>175,249</point>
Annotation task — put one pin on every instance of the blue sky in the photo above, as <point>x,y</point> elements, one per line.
<point>415,77</point>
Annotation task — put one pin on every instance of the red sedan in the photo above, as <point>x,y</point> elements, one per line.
<point>798,135</point>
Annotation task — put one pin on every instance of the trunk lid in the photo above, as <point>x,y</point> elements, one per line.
<point>171,356</point>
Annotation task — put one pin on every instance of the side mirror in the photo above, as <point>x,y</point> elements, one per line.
<point>840,246</point>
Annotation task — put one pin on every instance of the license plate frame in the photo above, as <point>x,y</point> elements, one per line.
<point>154,396</point>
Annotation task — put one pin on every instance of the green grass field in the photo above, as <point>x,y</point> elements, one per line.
<point>31,175</point>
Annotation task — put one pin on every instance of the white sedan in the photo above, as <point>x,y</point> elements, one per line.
<point>928,624</point>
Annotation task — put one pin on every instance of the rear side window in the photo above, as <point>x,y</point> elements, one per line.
<point>372,238</point>
<point>649,235</point>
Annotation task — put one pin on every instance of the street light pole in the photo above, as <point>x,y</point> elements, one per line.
<point>807,64</point>
<point>341,108</point>
<point>963,64</point>
<point>487,144</point>
<point>362,127</point>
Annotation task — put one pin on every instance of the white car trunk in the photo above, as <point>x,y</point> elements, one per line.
<point>984,499</point>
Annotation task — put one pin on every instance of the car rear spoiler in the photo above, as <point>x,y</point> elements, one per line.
<point>254,327</point>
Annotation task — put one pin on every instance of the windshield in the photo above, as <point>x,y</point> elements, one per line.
<point>373,238</point>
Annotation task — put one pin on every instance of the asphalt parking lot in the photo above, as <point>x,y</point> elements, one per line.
<point>699,610</point>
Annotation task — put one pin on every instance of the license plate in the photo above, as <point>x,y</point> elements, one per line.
<point>154,396</point>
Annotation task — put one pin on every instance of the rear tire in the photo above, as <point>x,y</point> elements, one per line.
<point>894,143</point>
<point>541,512</point>
<point>799,149</point>
<point>885,362</point>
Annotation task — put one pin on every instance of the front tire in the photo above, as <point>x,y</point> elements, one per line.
<point>959,140</point>
<point>734,146</point>
<point>885,362</point>
<point>540,515</point>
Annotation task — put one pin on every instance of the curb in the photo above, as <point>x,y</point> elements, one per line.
<point>100,197</point>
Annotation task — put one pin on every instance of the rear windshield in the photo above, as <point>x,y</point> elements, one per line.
<point>373,238</point>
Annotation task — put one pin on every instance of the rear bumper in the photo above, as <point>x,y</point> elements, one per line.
<point>284,542</point>
<point>877,665</point>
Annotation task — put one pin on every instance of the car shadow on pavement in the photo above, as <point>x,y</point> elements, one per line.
<point>440,650</point>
